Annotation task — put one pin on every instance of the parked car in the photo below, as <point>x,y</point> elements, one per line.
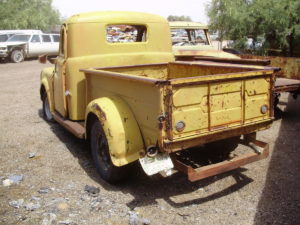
<point>21,46</point>
<point>6,34</point>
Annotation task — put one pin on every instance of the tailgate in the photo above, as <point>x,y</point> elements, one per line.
<point>210,103</point>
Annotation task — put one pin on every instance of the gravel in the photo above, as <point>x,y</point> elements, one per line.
<point>52,188</point>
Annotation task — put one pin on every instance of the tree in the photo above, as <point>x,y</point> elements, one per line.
<point>277,21</point>
<point>179,18</point>
<point>28,14</point>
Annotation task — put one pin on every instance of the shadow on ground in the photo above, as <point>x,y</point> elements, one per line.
<point>280,199</point>
<point>146,190</point>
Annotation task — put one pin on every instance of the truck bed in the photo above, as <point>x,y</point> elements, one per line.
<point>209,98</point>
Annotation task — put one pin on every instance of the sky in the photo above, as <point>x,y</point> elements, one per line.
<point>193,8</point>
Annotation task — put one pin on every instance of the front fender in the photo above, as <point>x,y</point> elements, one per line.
<point>120,127</point>
<point>23,47</point>
<point>47,84</point>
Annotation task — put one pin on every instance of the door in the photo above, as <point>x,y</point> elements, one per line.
<point>35,47</point>
<point>47,44</point>
<point>60,103</point>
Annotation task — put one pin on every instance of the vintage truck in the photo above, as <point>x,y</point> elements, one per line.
<point>116,84</point>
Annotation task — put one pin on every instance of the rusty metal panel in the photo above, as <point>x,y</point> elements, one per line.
<point>290,67</point>
<point>283,84</point>
<point>257,95</point>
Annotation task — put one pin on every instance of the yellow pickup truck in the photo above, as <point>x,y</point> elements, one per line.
<point>116,84</point>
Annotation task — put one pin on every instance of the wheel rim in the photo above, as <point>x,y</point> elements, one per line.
<point>103,152</point>
<point>18,56</point>
<point>47,109</point>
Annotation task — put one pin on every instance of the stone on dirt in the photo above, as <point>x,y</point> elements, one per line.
<point>135,220</point>
<point>43,190</point>
<point>49,219</point>
<point>91,190</point>
<point>31,206</point>
<point>16,203</point>
<point>16,179</point>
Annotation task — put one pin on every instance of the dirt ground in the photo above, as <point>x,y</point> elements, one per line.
<point>56,167</point>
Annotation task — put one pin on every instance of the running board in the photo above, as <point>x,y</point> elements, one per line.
<point>261,151</point>
<point>75,128</point>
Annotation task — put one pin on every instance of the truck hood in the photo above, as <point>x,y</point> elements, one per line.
<point>208,53</point>
<point>11,43</point>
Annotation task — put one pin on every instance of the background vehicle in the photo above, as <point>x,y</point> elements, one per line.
<point>143,106</point>
<point>31,44</point>
<point>6,34</point>
<point>191,38</point>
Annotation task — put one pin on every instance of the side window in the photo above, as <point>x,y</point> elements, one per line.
<point>35,39</point>
<point>3,37</point>
<point>55,38</point>
<point>46,38</point>
<point>122,33</point>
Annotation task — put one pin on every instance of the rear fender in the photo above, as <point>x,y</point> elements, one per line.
<point>120,127</point>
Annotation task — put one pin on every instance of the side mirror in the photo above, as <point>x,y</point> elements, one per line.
<point>44,58</point>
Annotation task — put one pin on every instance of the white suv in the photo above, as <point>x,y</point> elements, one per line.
<point>21,46</point>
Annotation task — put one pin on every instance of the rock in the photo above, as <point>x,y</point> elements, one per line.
<point>43,190</point>
<point>31,155</point>
<point>35,198</point>
<point>92,191</point>
<point>6,183</point>
<point>145,221</point>
<point>68,221</point>
<point>16,179</point>
<point>49,219</point>
<point>62,206</point>
<point>16,203</point>
<point>31,206</point>
<point>135,220</point>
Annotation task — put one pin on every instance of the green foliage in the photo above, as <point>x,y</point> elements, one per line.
<point>179,18</point>
<point>27,14</point>
<point>277,21</point>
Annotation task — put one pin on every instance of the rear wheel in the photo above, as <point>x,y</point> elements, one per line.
<point>46,109</point>
<point>17,56</point>
<point>100,152</point>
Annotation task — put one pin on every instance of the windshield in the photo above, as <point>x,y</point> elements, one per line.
<point>18,37</point>
<point>189,37</point>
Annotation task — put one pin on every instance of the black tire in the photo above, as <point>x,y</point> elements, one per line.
<point>46,109</point>
<point>17,56</point>
<point>100,152</point>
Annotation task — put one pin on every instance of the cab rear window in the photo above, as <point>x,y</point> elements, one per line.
<point>124,33</point>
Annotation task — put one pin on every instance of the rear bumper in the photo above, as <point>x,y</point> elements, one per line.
<point>261,151</point>
<point>188,142</point>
